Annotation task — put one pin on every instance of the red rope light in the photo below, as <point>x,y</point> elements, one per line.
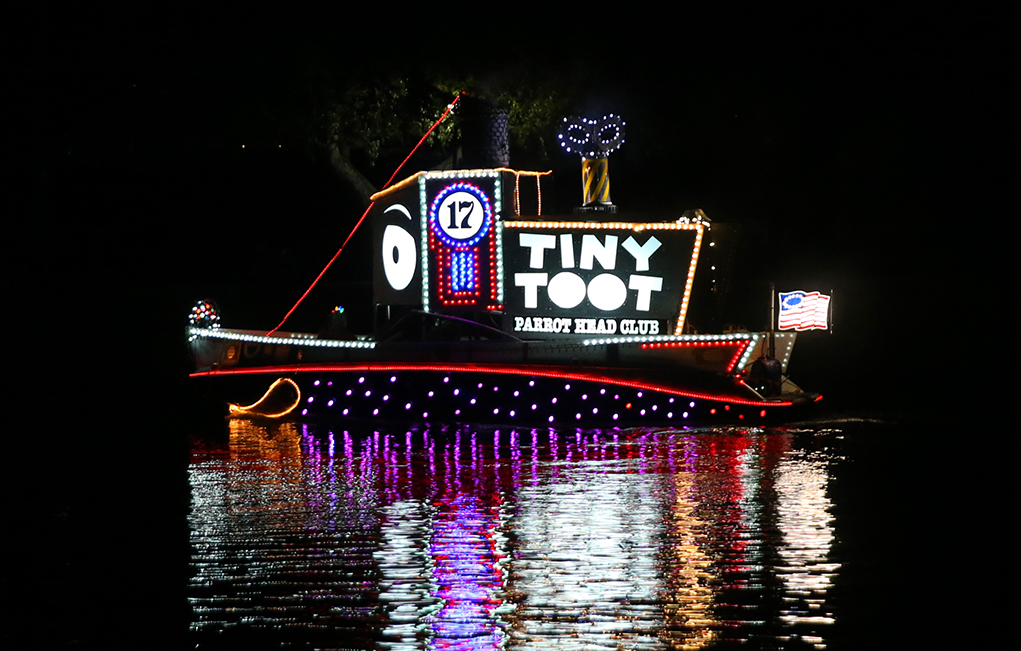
<point>450,107</point>
<point>742,346</point>
<point>494,368</point>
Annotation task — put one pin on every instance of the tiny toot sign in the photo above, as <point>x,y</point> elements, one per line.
<point>589,278</point>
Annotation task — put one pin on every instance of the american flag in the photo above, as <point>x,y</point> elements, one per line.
<point>803,310</point>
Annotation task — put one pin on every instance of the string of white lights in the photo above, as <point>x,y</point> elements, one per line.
<point>736,336</point>
<point>293,340</point>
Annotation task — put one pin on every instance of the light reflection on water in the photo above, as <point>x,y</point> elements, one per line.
<point>469,538</point>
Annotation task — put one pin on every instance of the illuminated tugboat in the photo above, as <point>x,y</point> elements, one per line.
<point>492,312</point>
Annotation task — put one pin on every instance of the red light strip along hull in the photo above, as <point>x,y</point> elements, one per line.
<point>497,369</point>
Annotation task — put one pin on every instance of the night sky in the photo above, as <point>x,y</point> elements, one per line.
<point>855,146</point>
<point>861,146</point>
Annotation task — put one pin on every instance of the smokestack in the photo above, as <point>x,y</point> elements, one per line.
<point>485,141</point>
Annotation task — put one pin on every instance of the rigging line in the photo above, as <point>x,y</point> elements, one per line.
<point>450,107</point>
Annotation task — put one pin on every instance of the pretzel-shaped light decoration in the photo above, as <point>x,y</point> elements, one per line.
<point>594,140</point>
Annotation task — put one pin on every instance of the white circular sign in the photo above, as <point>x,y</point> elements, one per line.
<point>566,290</point>
<point>607,292</point>
<point>461,215</point>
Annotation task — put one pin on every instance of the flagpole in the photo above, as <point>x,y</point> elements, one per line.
<point>772,319</point>
<point>830,315</point>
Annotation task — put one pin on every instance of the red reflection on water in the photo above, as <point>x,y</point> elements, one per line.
<point>686,520</point>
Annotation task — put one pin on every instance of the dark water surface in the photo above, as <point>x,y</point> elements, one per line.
<point>467,538</point>
<point>845,534</point>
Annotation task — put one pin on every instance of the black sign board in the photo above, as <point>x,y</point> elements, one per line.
<point>591,279</point>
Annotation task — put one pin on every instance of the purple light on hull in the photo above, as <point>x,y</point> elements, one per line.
<point>583,402</point>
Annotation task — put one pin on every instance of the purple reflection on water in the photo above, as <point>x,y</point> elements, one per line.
<point>466,575</point>
<point>473,538</point>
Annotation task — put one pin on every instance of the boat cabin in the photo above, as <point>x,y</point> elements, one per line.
<point>476,244</point>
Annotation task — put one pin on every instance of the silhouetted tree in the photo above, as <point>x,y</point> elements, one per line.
<point>359,123</point>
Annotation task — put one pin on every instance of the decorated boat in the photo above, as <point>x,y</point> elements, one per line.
<point>487,309</point>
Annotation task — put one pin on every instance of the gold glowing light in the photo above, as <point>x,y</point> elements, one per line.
<point>689,582</point>
<point>517,191</point>
<point>252,409</point>
<point>455,174</point>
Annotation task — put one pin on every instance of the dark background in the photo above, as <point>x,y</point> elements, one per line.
<point>862,148</point>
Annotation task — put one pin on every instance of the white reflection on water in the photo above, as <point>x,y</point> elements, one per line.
<point>803,517</point>
<point>482,539</point>
<point>586,562</point>
<point>406,586</point>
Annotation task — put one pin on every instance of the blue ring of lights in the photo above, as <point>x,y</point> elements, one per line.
<point>487,214</point>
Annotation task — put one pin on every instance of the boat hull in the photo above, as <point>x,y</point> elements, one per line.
<point>621,381</point>
<point>500,394</point>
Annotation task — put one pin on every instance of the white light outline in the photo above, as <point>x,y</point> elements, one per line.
<point>682,224</point>
<point>293,340</point>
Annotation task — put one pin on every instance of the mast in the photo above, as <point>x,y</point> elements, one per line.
<point>772,319</point>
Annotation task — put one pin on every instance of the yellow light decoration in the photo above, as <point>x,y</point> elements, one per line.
<point>517,191</point>
<point>637,227</point>
<point>682,224</point>
<point>454,174</point>
<point>238,410</point>
<point>595,181</point>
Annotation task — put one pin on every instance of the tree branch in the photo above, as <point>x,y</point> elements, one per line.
<point>342,166</point>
